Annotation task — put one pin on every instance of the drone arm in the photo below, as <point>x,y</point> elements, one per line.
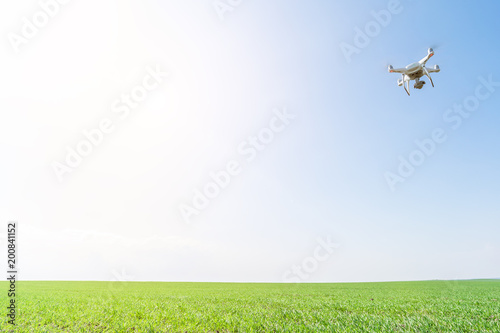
<point>430,53</point>
<point>424,60</point>
<point>436,69</point>
<point>397,70</point>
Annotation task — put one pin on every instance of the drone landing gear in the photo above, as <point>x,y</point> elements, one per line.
<point>404,86</point>
<point>426,72</point>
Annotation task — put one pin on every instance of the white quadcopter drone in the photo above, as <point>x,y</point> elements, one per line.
<point>414,72</point>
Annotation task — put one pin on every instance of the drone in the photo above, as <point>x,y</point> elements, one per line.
<point>414,72</point>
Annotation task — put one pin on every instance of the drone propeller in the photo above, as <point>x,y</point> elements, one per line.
<point>385,64</point>
<point>436,46</point>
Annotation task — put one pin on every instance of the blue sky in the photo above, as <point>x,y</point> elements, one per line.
<point>322,176</point>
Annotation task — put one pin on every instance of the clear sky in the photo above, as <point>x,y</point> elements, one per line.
<point>333,130</point>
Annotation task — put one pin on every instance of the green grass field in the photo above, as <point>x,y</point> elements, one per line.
<point>432,306</point>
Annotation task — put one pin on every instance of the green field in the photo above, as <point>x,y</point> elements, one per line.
<point>431,306</point>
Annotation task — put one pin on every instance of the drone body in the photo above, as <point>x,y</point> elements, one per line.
<point>414,72</point>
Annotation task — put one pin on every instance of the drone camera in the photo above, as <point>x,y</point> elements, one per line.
<point>419,84</point>
<point>400,82</point>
